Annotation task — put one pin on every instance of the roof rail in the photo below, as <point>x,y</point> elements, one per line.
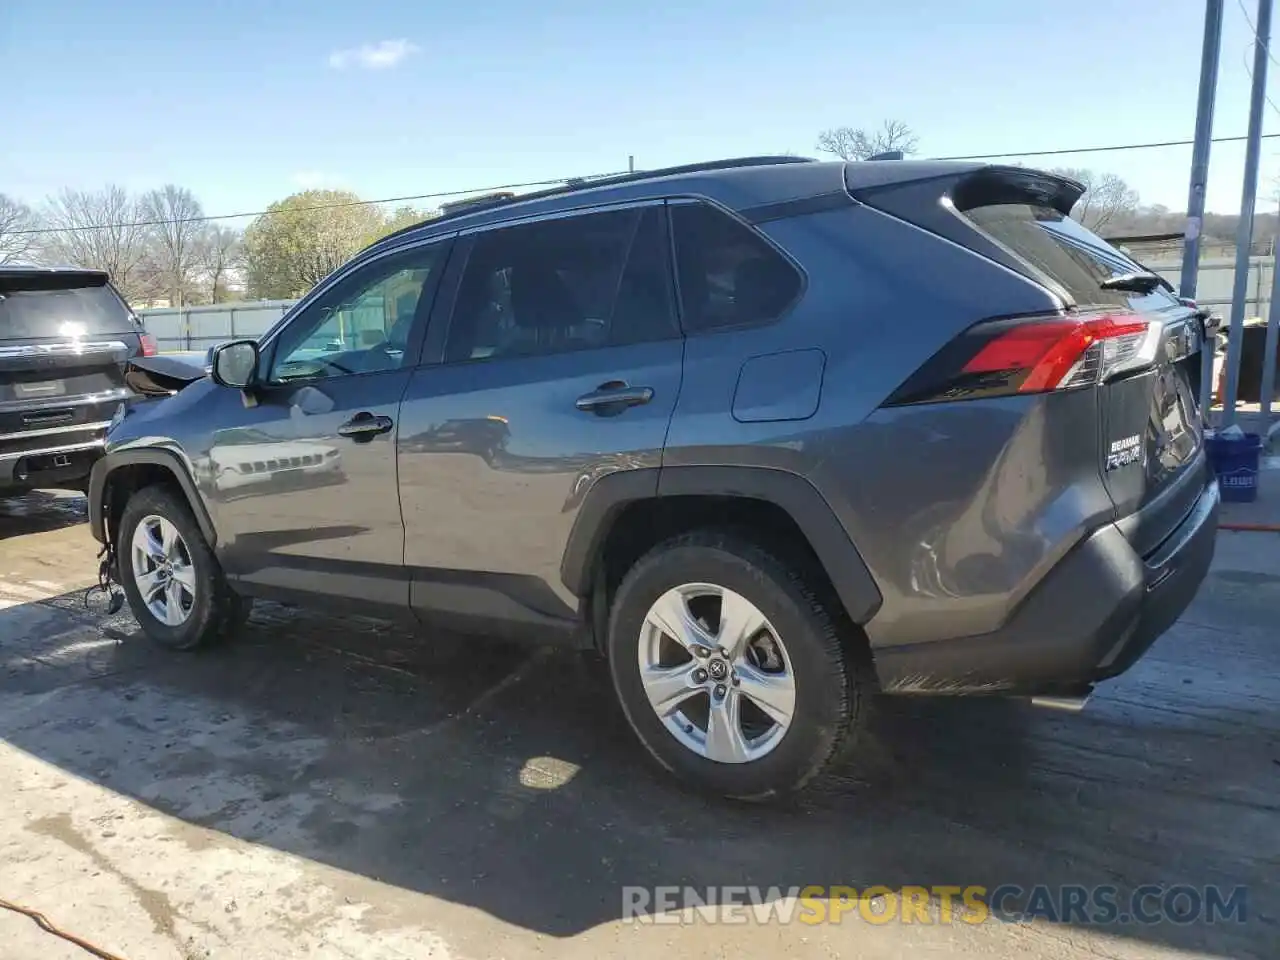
<point>637,176</point>
<point>471,203</point>
<point>461,208</point>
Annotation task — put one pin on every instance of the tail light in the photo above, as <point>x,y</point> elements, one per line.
<point>149,346</point>
<point>1034,355</point>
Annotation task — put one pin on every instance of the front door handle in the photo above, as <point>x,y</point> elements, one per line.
<point>614,397</point>
<point>364,426</point>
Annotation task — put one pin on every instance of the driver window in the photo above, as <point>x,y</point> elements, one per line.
<point>362,323</point>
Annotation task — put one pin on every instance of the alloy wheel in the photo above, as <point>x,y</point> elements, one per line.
<point>163,571</point>
<point>716,673</point>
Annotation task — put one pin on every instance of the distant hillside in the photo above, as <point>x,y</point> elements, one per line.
<point>1217,226</point>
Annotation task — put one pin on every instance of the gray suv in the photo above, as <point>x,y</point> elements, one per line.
<point>772,435</point>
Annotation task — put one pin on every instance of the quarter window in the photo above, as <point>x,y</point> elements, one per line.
<point>729,275</point>
<point>573,283</point>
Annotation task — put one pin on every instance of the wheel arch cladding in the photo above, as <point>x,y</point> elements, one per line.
<point>138,468</point>
<point>791,493</point>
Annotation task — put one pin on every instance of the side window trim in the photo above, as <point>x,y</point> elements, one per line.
<point>441,317</point>
<point>580,211</point>
<point>270,341</point>
<point>698,200</point>
<point>440,324</point>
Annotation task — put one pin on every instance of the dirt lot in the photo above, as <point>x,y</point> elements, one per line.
<point>320,788</point>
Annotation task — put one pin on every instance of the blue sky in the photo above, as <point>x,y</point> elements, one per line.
<point>246,101</point>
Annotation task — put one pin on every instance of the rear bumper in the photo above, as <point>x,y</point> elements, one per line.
<point>1091,618</point>
<point>52,460</point>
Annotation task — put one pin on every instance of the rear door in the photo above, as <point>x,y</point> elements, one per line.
<point>64,339</point>
<point>560,363</point>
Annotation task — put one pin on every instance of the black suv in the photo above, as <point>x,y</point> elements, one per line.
<point>772,435</point>
<point>66,338</point>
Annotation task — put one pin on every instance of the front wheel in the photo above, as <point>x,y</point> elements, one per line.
<point>174,584</point>
<point>729,668</point>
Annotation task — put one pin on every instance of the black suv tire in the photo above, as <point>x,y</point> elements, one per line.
<point>829,689</point>
<point>216,610</point>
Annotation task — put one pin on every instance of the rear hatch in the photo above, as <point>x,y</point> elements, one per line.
<point>1148,375</point>
<point>65,338</point>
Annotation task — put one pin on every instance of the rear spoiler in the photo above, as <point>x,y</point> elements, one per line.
<point>928,195</point>
<point>1017,185</point>
<point>964,184</point>
<point>49,278</point>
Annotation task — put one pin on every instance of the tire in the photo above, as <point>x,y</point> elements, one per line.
<point>210,612</point>
<point>828,689</point>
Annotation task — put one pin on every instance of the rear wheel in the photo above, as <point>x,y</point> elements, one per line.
<point>174,584</point>
<point>729,668</point>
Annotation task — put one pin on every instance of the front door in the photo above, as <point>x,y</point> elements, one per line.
<point>562,363</point>
<point>303,482</point>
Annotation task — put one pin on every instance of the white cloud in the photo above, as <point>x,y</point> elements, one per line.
<point>373,56</point>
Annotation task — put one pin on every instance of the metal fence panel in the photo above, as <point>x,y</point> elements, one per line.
<point>199,328</point>
<point>1216,279</point>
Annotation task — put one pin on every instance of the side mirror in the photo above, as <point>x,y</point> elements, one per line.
<point>235,364</point>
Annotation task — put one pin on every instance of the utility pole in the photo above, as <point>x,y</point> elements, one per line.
<point>1273,328</point>
<point>1209,56</point>
<point>1248,200</point>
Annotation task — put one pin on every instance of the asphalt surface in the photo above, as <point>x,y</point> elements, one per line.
<point>340,787</point>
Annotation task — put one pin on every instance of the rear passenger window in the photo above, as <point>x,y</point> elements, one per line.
<point>573,283</point>
<point>729,276</point>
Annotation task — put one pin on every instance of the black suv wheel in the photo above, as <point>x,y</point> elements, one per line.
<point>175,587</point>
<point>729,669</point>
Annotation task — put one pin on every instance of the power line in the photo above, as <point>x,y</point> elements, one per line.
<point>318,206</point>
<point>1061,151</point>
<point>1254,30</point>
<point>1248,72</point>
<point>1244,54</point>
<point>1112,148</point>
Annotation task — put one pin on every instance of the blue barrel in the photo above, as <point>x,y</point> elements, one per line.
<point>1235,461</point>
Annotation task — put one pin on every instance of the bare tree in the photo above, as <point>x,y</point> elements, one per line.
<point>1107,198</point>
<point>16,218</point>
<point>149,281</point>
<point>99,229</point>
<point>221,255</point>
<point>175,230</point>
<point>850,143</point>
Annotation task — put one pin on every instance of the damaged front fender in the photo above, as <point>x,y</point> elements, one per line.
<point>163,376</point>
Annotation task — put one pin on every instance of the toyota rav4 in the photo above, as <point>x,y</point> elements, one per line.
<point>772,435</point>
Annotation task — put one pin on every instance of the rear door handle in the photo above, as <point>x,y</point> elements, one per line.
<point>364,426</point>
<point>614,396</point>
